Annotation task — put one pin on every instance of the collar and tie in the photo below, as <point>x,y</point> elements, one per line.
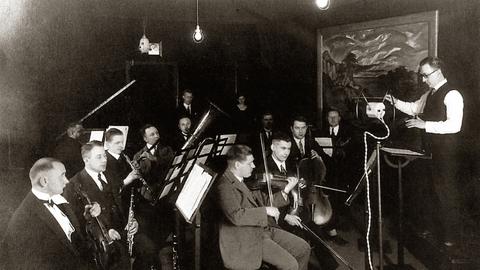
<point>283,170</point>
<point>300,147</point>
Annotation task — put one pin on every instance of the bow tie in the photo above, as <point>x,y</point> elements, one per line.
<point>49,202</point>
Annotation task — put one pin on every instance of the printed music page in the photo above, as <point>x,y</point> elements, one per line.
<point>326,144</point>
<point>193,191</point>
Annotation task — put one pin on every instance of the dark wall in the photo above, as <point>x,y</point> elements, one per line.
<point>58,61</point>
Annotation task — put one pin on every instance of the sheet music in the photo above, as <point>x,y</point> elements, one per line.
<point>399,151</point>
<point>96,135</point>
<point>193,191</point>
<point>225,142</point>
<point>326,144</point>
<point>166,190</point>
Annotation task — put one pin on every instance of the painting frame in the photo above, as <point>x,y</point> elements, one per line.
<point>428,20</point>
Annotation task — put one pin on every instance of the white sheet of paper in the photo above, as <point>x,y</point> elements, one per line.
<point>96,135</point>
<point>193,190</point>
<point>399,151</point>
<point>326,144</point>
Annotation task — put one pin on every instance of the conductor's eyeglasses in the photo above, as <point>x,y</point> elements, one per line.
<point>425,76</point>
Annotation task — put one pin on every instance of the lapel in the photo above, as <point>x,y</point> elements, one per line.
<point>46,217</point>
<point>241,187</point>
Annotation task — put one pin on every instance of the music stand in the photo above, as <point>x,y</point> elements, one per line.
<point>224,143</point>
<point>407,156</point>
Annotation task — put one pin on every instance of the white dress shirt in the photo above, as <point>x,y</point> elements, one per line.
<point>59,216</point>
<point>334,130</point>
<point>116,156</point>
<point>454,103</point>
<point>279,164</point>
<point>152,149</point>
<point>94,175</point>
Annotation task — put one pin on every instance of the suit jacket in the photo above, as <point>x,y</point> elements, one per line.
<point>178,140</point>
<point>112,215</point>
<point>243,224</point>
<point>310,145</point>
<point>155,169</point>
<point>194,115</point>
<point>118,167</point>
<point>35,240</point>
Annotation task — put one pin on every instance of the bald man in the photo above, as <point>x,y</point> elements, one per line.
<point>44,232</point>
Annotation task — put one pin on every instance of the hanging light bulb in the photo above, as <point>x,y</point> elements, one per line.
<point>322,4</point>
<point>198,35</point>
<point>144,44</point>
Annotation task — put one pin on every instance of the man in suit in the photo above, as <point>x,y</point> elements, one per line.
<point>306,149</point>
<point>248,232</point>
<point>156,221</point>
<point>146,251</point>
<point>280,163</point>
<point>105,190</point>
<point>182,133</point>
<point>267,130</point>
<point>68,149</point>
<point>44,232</point>
<point>188,108</point>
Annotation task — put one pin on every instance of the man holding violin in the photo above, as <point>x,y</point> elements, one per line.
<point>249,233</point>
<point>295,215</point>
<point>93,184</point>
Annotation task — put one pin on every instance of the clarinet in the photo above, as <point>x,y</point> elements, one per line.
<point>144,182</point>
<point>175,263</point>
<point>129,225</point>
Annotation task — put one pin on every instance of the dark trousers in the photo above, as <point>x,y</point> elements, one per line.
<point>284,250</point>
<point>444,171</point>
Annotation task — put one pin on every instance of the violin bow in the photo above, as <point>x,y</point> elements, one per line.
<point>267,175</point>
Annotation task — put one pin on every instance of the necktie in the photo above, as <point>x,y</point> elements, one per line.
<point>283,170</point>
<point>101,181</point>
<point>300,147</point>
<point>188,110</point>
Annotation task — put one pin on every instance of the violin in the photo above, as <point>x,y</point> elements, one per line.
<point>259,181</point>
<point>99,234</point>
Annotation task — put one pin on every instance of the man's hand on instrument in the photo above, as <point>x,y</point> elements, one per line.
<point>133,228</point>
<point>272,212</point>
<point>302,183</point>
<point>314,154</point>
<point>293,220</point>
<point>292,182</point>
<point>415,123</point>
<point>92,210</point>
<point>131,177</point>
<point>390,99</point>
<point>148,156</point>
<point>114,235</point>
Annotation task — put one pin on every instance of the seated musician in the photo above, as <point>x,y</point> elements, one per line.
<point>156,220</point>
<point>279,163</point>
<point>68,147</point>
<point>145,249</point>
<point>182,133</point>
<point>305,147</point>
<point>105,190</point>
<point>248,232</point>
<point>43,233</point>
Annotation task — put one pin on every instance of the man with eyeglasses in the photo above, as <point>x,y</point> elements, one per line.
<point>439,112</point>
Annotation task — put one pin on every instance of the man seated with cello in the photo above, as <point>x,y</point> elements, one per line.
<point>249,233</point>
<point>296,215</point>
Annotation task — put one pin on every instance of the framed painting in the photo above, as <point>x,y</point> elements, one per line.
<point>369,59</point>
